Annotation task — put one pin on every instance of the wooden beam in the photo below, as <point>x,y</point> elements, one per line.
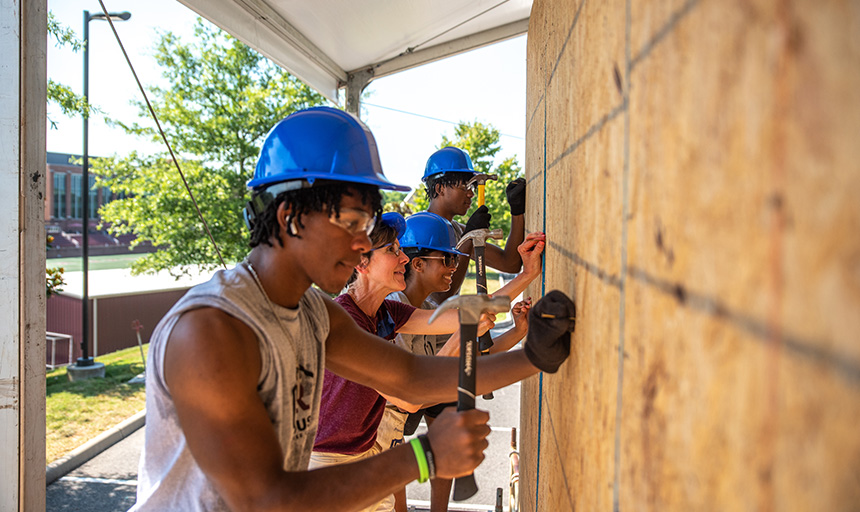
<point>23,45</point>
<point>10,65</point>
<point>31,219</point>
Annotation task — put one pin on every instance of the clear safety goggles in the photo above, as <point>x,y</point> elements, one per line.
<point>354,221</point>
<point>392,248</point>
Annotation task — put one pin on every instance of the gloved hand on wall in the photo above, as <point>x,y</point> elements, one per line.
<point>551,321</point>
<point>516,192</point>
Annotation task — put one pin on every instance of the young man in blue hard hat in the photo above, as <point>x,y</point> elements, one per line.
<point>235,373</point>
<point>446,174</point>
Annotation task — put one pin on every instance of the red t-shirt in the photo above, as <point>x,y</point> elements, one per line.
<point>350,413</point>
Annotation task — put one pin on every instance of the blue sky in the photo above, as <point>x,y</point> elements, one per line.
<point>487,85</point>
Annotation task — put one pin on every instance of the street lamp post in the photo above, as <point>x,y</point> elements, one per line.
<point>85,359</point>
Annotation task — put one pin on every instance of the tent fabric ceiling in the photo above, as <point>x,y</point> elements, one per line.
<point>324,41</point>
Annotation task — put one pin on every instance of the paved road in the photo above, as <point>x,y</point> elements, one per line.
<point>107,483</point>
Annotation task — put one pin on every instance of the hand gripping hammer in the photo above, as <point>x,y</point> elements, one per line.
<point>479,238</point>
<point>478,181</point>
<point>471,308</point>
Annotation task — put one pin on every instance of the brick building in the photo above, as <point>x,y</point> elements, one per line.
<point>64,209</point>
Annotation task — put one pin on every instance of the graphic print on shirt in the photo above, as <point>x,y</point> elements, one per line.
<point>385,326</point>
<point>303,396</point>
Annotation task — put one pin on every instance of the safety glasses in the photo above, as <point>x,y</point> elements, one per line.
<point>354,221</point>
<point>392,248</point>
<point>450,260</point>
<point>462,186</point>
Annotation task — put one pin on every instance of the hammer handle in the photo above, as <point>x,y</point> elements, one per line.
<point>481,286</point>
<point>480,195</point>
<point>465,486</point>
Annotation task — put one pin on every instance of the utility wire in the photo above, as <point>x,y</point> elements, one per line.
<point>163,136</point>
<point>431,118</point>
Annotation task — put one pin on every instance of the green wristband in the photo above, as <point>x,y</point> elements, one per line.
<point>423,471</point>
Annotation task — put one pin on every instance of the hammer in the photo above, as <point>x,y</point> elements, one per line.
<point>471,309</point>
<point>478,181</point>
<point>479,238</point>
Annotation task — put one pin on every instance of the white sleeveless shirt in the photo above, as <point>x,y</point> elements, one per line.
<point>289,386</point>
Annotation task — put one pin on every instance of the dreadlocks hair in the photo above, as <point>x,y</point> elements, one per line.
<point>445,179</point>
<point>382,235</point>
<point>324,196</point>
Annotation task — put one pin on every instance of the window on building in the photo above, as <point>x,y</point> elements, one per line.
<point>105,195</point>
<point>77,196</point>
<point>59,200</point>
<point>94,199</point>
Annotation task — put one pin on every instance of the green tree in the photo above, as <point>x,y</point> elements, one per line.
<point>392,201</point>
<point>481,141</point>
<point>70,104</point>
<point>222,99</point>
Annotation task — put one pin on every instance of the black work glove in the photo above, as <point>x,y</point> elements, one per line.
<point>548,341</point>
<point>516,192</point>
<point>480,219</point>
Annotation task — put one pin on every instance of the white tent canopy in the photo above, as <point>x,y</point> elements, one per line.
<point>331,44</point>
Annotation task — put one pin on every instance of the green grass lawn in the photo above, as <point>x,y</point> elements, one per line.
<point>79,411</point>
<point>469,287</point>
<point>95,262</point>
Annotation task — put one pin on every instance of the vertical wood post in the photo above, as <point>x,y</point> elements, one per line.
<point>23,46</point>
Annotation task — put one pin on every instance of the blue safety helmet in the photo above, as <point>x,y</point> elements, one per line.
<point>448,159</point>
<point>396,221</point>
<point>319,143</point>
<point>425,230</point>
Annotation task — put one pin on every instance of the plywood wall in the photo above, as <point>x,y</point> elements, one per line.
<point>696,167</point>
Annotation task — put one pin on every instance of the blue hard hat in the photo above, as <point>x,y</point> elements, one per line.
<point>396,221</point>
<point>448,159</point>
<point>425,230</point>
<point>320,143</point>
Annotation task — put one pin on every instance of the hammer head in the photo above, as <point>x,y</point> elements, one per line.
<point>480,236</point>
<point>480,179</point>
<point>472,306</point>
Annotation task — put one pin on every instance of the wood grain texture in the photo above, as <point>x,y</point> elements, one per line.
<point>32,299</point>
<point>727,133</point>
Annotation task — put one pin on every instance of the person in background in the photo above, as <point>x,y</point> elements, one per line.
<point>430,243</point>
<point>350,413</point>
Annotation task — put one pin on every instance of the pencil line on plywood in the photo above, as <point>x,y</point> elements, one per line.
<point>594,129</point>
<point>604,276</point>
<point>664,31</point>
<point>561,459</point>
<point>758,329</point>
<point>566,40</point>
<point>532,117</point>
<point>807,348</point>
<point>557,61</point>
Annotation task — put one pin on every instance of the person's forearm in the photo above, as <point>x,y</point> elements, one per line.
<point>507,339</point>
<point>517,285</point>
<point>510,260</point>
<point>502,343</point>
<point>402,404</point>
<point>435,379</point>
<point>344,487</point>
<point>451,348</point>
